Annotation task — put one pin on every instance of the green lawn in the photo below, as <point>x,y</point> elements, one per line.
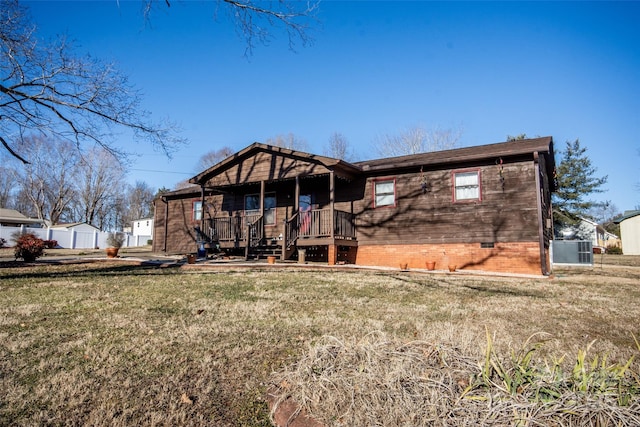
<point>112,343</point>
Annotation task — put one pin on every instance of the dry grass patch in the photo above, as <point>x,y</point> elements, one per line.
<point>117,344</point>
<point>376,381</point>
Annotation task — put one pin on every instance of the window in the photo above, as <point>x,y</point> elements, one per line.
<point>467,185</point>
<point>197,210</point>
<point>384,193</point>
<point>252,206</point>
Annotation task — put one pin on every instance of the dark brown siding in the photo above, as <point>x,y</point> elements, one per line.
<point>506,213</point>
<point>181,225</point>
<point>159,231</point>
<point>265,167</point>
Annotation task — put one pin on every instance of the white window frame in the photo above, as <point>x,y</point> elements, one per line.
<point>384,198</point>
<point>465,187</point>
<point>197,210</point>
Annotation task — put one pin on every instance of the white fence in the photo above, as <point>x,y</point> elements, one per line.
<point>71,239</point>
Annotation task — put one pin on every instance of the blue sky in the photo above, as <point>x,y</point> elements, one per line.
<point>566,69</point>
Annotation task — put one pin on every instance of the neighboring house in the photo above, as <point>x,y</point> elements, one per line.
<point>77,227</point>
<point>13,218</point>
<point>586,229</point>
<point>142,227</point>
<point>630,232</point>
<point>480,208</point>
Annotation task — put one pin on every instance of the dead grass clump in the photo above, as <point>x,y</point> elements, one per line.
<point>376,381</point>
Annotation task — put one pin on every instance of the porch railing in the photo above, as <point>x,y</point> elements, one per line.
<point>255,230</point>
<point>315,223</point>
<point>229,228</point>
<point>345,225</point>
<point>291,231</point>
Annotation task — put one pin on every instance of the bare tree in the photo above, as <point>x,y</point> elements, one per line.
<point>8,184</point>
<point>519,137</point>
<point>254,19</point>
<point>603,212</point>
<point>99,186</point>
<point>213,157</point>
<point>46,89</point>
<point>417,140</point>
<point>338,147</point>
<point>290,141</point>
<point>48,181</point>
<point>184,184</point>
<point>139,202</point>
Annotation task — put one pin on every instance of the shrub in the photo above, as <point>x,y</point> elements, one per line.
<point>50,244</point>
<point>3,242</point>
<point>614,250</point>
<point>149,242</point>
<point>115,240</point>
<point>29,247</point>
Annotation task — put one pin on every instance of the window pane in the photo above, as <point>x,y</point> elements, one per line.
<point>466,178</point>
<point>467,185</point>
<point>467,193</point>
<point>252,202</point>
<point>384,187</point>
<point>384,200</point>
<point>269,202</point>
<point>270,216</point>
<point>197,210</point>
<point>385,193</point>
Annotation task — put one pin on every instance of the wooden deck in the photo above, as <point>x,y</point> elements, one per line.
<point>310,228</point>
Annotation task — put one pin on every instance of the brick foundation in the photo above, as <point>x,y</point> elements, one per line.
<point>519,257</point>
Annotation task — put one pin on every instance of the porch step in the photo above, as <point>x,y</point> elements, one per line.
<point>264,251</point>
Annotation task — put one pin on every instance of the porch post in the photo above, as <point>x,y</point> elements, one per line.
<point>332,252</point>
<point>283,242</point>
<point>262,186</point>
<point>332,198</point>
<point>201,209</point>
<point>247,239</point>
<point>296,196</point>
<point>261,223</point>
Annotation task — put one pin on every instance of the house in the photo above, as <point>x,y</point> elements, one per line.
<point>579,228</point>
<point>142,227</point>
<point>82,227</point>
<point>478,208</point>
<point>13,218</point>
<point>630,232</point>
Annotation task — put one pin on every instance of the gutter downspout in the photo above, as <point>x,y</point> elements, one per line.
<point>166,222</point>
<point>543,257</point>
<point>202,207</point>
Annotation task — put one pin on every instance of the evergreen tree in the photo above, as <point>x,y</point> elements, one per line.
<point>576,181</point>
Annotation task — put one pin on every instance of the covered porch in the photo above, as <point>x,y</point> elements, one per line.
<point>276,198</point>
<point>304,229</point>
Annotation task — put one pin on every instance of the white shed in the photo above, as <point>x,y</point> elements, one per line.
<point>78,227</point>
<point>630,232</point>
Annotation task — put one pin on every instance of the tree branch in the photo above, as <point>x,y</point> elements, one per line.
<point>13,153</point>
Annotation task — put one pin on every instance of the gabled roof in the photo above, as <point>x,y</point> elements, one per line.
<point>15,217</point>
<point>73,225</point>
<point>339,166</point>
<point>446,158</point>
<point>627,215</point>
<point>461,155</point>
